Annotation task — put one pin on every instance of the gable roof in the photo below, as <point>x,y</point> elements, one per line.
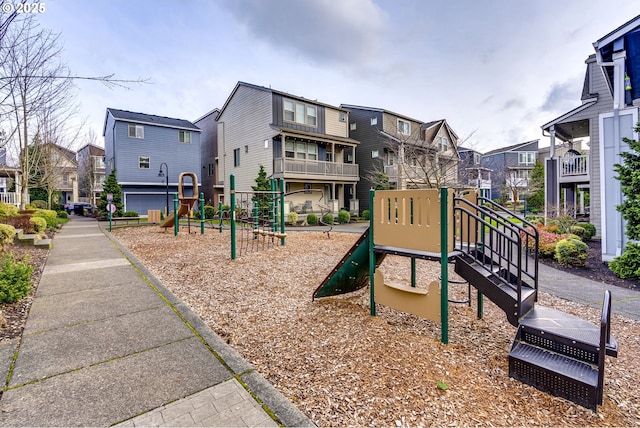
<point>510,148</point>
<point>272,91</point>
<point>379,110</point>
<point>148,119</point>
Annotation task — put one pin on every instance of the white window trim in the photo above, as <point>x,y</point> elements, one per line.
<point>182,137</point>
<point>138,131</point>
<point>140,162</point>
<point>305,113</point>
<point>400,131</point>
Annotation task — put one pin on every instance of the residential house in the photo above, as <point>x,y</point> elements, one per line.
<point>573,177</point>
<point>511,168</point>
<point>406,152</point>
<point>90,173</point>
<point>148,153</point>
<point>10,179</point>
<point>608,113</point>
<point>471,173</point>
<point>302,141</point>
<point>212,182</point>
<point>55,169</point>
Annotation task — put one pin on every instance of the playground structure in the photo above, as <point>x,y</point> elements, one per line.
<point>556,352</point>
<point>183,204</point>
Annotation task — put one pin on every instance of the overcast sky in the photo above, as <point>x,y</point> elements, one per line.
<point>501,68</point>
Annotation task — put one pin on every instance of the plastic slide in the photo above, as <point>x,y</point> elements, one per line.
<point>351,273</point>
<point>182,210</point>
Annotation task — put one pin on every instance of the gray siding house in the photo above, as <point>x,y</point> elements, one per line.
<point>511,168</point>
<point>139,147</point>
<point>90,173</point>
<point>608,113</point>
<point>212,182</point>
<point>471,173</point>
<point>407,152</point>
<point>302,141</point>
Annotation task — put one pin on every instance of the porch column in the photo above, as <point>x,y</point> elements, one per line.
<point>552,140</point>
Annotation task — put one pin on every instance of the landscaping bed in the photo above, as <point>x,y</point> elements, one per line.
<point>340,366</point>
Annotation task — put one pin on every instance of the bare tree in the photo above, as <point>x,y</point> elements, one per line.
<point>89,172</point>
<point>422,159</point>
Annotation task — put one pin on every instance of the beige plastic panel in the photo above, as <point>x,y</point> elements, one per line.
<point>461,223</point>
<point>194,181</point>
<point>410,219</point>
<point>417,301</point>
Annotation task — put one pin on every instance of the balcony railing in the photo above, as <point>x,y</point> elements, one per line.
<point>317,168</point>
<point>11,198</point>
<point>409,172</point>
<point>480,184</point>
<point>574,165</point>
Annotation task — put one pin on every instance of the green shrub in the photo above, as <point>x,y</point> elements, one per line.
<point>547,243</point>
<point>62,214</point>
<point>590,230</point>
<point>15,278</point>
<point>627,265</point>
<point>7,234</point>
<point>39,204</point>
<point>579,231</point>
<point>571,252</point>
<point>327,218</point>
<point>292,218</point>
<point>565,223</point>
<point>312,219</point>
<point>50,216</point>
<point>534,219</point>
<point>130,214</point>
<point>366,214</point>
<point>8,210</point>
<point>39,224</point>
<point>344,217</point>
<point>209,212</point>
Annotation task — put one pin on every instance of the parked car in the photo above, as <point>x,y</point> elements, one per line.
<point>78,208</point>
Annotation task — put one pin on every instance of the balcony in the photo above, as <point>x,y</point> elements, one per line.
<point>410,172</point>
<point>11,198</point>
<point>303,169</point>
<point>574,168</point>
<point>479,183</point>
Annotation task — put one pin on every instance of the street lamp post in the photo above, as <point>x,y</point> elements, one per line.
<point>165,174</point>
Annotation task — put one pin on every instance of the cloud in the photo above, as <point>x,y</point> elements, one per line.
<point>561,96</point>
<point>350,33</point>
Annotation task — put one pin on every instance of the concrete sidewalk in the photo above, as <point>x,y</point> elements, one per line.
<point>105,343</point>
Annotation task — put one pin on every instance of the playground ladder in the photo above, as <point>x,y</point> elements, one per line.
<point>553,351</point>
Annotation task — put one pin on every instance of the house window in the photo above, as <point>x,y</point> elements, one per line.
<point>136,131</point>
<point>301,151</point>
<point>329,156</point>
<point>443,143</point>
<point>211,170</point>
<point>404,127</point>
<point>289,114</point>
<point>98,162</point>
<point>352,126</point>
<point>289,149</point>
<point>374,121</point>
<point>343,117</point>
<point>301,113</point>
<point>65,179</point>
<point>236,157</point>
<point>312,152</point>
<point>476,158</point>
<point>144,162</point>
<point>184,137</point>
<point>527,158</point>
<point>374,154</point>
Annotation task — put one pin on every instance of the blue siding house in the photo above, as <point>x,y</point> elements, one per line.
<point>143,149</point>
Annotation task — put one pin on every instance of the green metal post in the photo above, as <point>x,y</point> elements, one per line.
<point>272,205</point>
<point>413,272</point>
<point>110,217</point>
<point>220,214</point>
<point>444,263</point>
<point>482,247</point>
<point>372,255</point>
<point>256,223</point>
<point>201,213</point>
<point>232,215</point>
<point>176,220</point>
<point>281,210</point>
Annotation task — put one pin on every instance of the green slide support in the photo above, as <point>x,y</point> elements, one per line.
<point>351,273</point>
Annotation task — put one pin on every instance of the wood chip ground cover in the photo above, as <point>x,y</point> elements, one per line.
<point>341,366</point>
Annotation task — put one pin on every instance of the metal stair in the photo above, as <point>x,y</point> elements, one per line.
<point>553,351</point>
